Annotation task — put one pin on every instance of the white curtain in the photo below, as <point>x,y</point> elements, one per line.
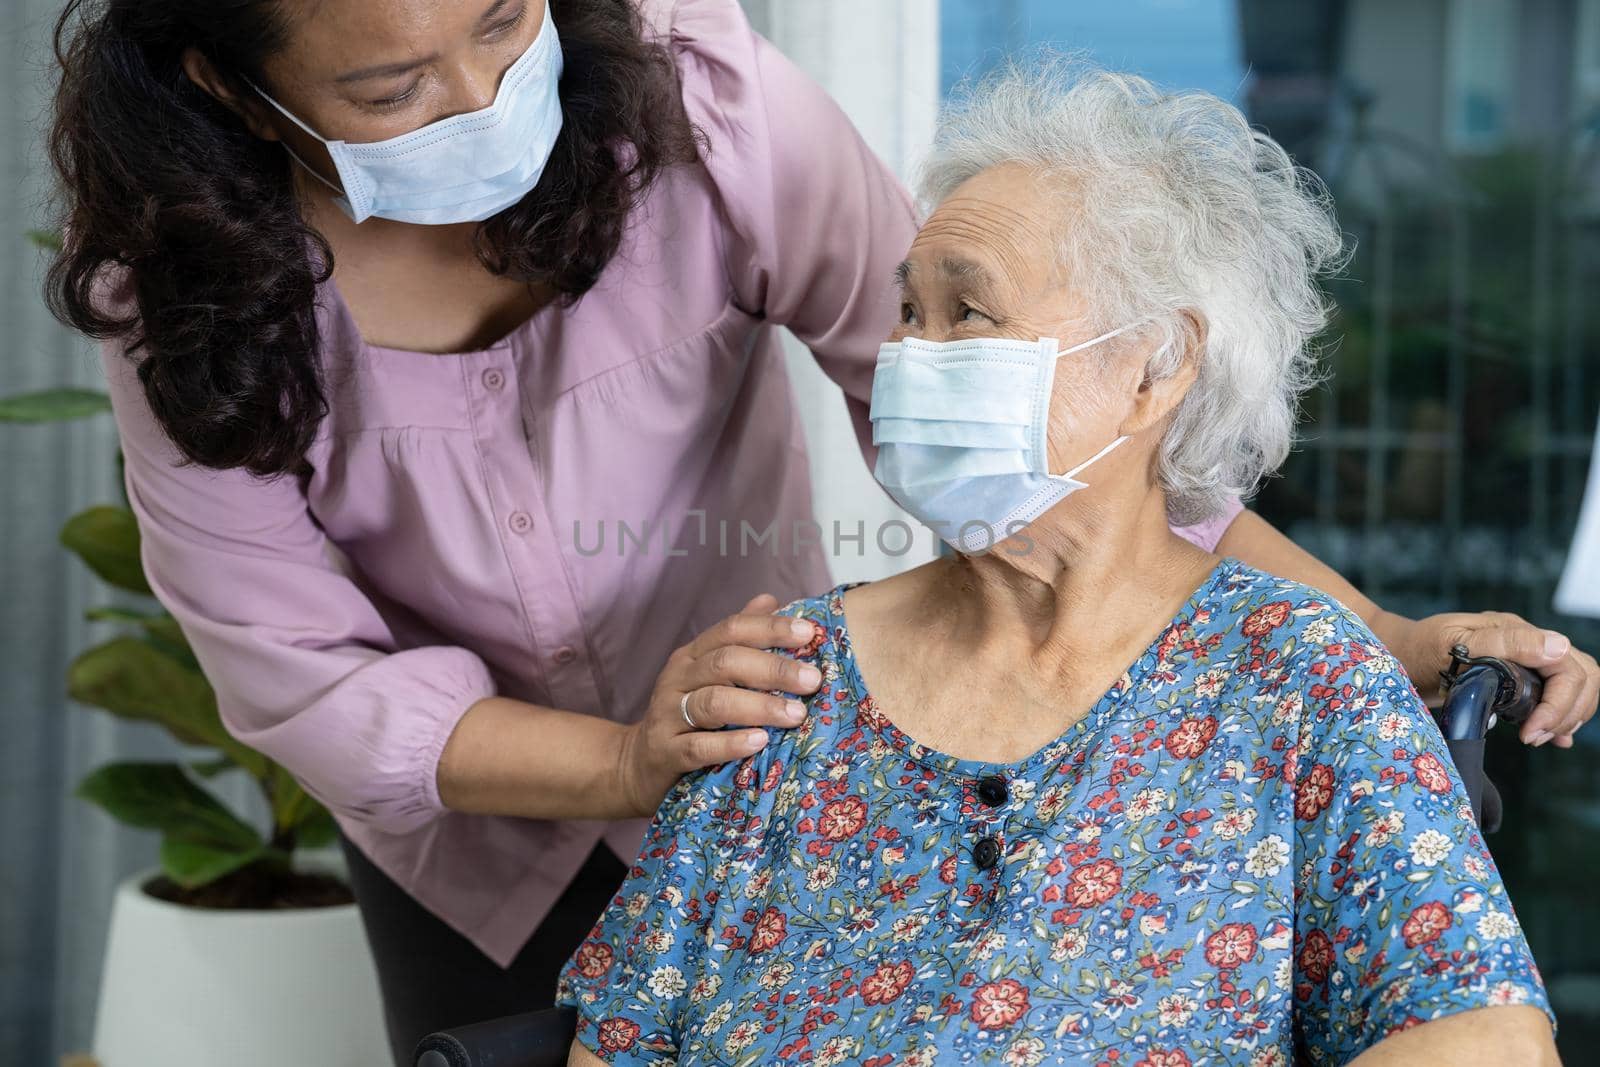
<point>63,859</point>
<point>880,61</point>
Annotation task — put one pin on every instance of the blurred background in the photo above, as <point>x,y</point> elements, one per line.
<point>1442,468</point>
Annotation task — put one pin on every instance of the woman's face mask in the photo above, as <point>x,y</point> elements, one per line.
<point>961,429</point>
<point>464,168</point>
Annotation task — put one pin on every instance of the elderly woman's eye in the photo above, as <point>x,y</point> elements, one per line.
<point>908,314</point>
<point>966,314</point>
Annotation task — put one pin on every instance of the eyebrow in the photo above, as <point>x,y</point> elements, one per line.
<point>389,70</point>
<point>966,271</point>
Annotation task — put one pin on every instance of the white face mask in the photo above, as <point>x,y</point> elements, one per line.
<point>464,168</point>
<point>961,431</point>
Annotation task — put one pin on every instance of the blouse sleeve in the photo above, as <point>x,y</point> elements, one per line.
<point>1401,917</point>
<point>660,943</point>
<point>305,669</point>
<point>817,221</point>
<point>673,925</point>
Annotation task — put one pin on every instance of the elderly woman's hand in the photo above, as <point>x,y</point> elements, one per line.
<point>1571,677</point>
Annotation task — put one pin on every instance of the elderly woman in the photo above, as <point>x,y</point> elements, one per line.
<point>1082,792</point>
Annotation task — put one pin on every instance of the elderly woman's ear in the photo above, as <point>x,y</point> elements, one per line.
<point>1169,372</point>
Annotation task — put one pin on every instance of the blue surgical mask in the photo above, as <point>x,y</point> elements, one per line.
<point>464,168</point>
<point>961,432</point>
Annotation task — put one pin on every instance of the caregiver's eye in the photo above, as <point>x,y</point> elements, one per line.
<point>908,314</point>
<point>389,103</point>
<point>505,26</point>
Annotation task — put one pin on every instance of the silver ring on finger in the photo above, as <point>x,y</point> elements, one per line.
<point>683,706</point>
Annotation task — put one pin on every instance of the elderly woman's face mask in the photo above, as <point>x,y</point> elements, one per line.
<point>961,429</point>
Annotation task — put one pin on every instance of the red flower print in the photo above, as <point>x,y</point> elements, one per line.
<point>594,959</point>
<point>1314,792</point>
<point>842,818</point>
<point>887,982</point>
<point>1094,883</point>
<point>770,931</point>
<point>810,649</point>
<point>999,1004</point>
<point>1316,956</point>
<point>1191,736</point>
<point>1158,1058</point>
<point>1426,923</point>
<point>1266,618</point>
<point>617,1035</point>
<point>1232,945</point>
<point>868,717</point>
<point>1431,773</point>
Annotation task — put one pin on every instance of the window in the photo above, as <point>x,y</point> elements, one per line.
<point>1481,37</point>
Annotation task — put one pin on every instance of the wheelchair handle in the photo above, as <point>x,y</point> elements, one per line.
<point>1479,692</point>
<point>537,1039</point>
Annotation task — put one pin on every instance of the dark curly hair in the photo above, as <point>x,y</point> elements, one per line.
<point>165,184</point>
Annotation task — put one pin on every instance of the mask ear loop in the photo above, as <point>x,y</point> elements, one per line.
<point>1045,414</point>
<point>1097,340</point>
<point>1072,474</point>
<point>286,113</point>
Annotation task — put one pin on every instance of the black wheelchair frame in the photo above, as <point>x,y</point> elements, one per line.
<point>1479,692</point>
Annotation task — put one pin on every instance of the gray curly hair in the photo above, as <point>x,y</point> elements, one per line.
<point>1180,205</point>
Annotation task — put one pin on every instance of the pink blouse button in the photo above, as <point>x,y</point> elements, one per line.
<point>565,655</point>
<point>493,379</point>
<point>520,522</point>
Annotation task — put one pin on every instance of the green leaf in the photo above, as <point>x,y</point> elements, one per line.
<point>161,629</point>
<point>1196,911</point>
<point>210,768</point>
<point>107,539</point>
<point>114,613</point>
<point>133,679</point>
<point>165,634</point>
<point>159,796</point>
<point>53,405</point>
<point>48,240</point>
<point>316,828</point>
<point>194,863</point>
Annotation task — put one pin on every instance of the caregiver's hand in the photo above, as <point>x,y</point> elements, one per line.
<point>720,672</point>
<point>1571,677</point>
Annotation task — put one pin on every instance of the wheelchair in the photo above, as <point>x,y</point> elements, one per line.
<point>1479,692</point>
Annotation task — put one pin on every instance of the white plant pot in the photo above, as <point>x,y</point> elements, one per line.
<point>197,987</point>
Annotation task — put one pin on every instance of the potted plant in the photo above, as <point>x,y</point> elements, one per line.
<point>232,952</point>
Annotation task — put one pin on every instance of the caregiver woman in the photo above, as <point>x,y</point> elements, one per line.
<point>408,304</point>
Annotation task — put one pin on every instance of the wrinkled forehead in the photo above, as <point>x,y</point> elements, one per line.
<point>327,37</point>
<point>1003,225</point>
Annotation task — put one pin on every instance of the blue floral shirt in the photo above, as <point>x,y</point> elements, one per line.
<point>1252,848</point>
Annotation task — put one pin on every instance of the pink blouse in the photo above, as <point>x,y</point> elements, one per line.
<point>459,536</point>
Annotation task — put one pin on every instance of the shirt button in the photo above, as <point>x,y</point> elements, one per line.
<point>992,790</point>
<point>566,654</point>
<point>493,379</point>
<point>986,853</point>
<point>520,522</point>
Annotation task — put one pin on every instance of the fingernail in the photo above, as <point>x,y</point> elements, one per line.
<point>1540,738</point>
<point>801,629</point>
<point>1555,645</point>
<point>795,710</point>
<point>756,739</point>
<point>810,676</point>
